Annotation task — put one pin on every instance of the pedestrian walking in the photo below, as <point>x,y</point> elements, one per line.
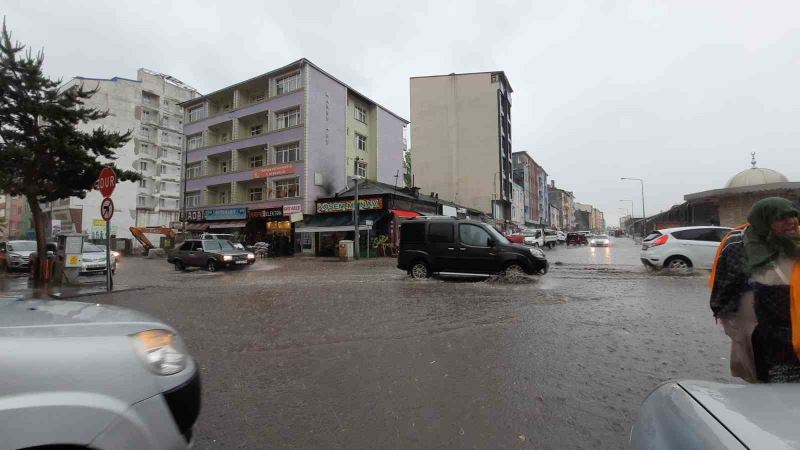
<point>755,293</point>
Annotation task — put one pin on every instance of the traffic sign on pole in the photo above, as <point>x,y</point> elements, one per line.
<point>107,209</point>
<point>107,181</point>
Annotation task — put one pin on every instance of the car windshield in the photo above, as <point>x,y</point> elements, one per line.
<point>92,248</point>
<point>602,236</point>
<point>22,246</point>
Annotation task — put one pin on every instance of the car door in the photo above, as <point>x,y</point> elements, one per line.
<point>196,254</point>
<point>709,243</point>
<point>442,247</point>
<point>698,244</point>
<point>476,255</point>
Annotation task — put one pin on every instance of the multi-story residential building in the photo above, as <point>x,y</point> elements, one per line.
<point>517,205</point>
<point>524,175</point>
<point>583,216</point>
<point>262,151</point>
<point>461,131</point>
<point>150,106</point>
<point>542,195</point>
<point>598,220</point>
<point>564,201</point>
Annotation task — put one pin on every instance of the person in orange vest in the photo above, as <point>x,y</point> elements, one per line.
<point>755,293</point>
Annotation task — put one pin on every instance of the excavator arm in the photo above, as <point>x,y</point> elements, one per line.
<point>139,234</point>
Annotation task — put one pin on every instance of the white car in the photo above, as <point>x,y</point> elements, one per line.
<point>533,237</point>
<point>682,248</point>
<point>600,240</point>
<point>93,259</point>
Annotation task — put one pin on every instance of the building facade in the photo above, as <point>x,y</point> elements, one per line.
<point>583,217</point>
<point>148,105</point>
<point>517,205</point>
<point>261,152</point>
<point>461,131</point>
<point>564,201</point>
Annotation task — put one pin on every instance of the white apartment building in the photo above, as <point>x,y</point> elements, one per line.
<point>149,107</point>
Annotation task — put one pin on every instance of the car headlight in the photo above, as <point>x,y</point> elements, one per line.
<point>537,253</point>
<point>14,256</point>
<point>227,257</point>
<point>251,256</point>
<point>160,351</point>
<point>116,254</point>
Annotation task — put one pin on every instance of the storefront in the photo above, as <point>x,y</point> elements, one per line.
<point>274,226</point>
<point>218,221</point>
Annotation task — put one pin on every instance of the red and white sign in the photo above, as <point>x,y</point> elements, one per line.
<point>274,171</point>
<point>107,181</point>
<point>288,210</point>
<point>107,209</point>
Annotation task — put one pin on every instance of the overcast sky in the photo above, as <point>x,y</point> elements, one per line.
<point>677,92</point>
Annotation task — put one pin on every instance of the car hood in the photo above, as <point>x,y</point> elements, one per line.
<point>24,253</point>
<point>48,318</point>
<point>759,415</point>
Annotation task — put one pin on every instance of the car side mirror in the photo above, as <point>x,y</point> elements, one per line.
<point>491,242</point>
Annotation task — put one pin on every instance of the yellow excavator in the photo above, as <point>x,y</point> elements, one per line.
<point>139,234</point>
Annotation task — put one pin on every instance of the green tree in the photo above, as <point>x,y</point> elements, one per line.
<point>407,167</point>
<point>45,157</point>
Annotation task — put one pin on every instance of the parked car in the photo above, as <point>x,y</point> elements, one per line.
<point>682,248</point>
<point>93,259</point>
<point>516,238</point>
<point>697,414</point>
<point>449,246</point>
<point>211,254</point>
<point>533,237</point>
<point>83,375</point>
<point>550,238</point>
<point>600,240</point>
<point>16,255</point>
<point>577,239</point>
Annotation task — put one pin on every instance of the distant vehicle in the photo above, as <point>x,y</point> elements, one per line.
<point>212,254</point>
<point>93,259</point>
<point>698,414</point>
<point>515,238</point>
<point>533,237</point>
<point>562,237</point>
<point>550,238</point>
<point>577,239</point>
<point>682,248</point>
<point>81,376</point>
<point>600,240</point>
<point>16,255</point>
<point>448,246</point>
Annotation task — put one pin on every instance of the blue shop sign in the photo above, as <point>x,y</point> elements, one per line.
<point>226,214</point>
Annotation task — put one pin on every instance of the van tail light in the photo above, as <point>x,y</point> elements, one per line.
<point>659,241</point>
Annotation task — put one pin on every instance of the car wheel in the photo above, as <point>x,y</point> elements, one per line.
<point>179,266</point>
<point>420,270</point>
<point>514,270</point>
<point>212,266</point>
<point>678,263</point>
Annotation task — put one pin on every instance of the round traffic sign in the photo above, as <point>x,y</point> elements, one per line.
<point>107,181</point>
<point>106,209</point>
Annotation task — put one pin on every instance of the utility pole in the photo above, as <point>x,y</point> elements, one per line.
<point>356,178</point>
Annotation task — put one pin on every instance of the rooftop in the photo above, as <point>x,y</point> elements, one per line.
<point>492,72</point>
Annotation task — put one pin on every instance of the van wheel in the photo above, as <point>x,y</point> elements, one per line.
<point>420,270</point>
<point>179,266</point>
<point>514,270</point>
<point>678,264</point>
<point>211,266</point>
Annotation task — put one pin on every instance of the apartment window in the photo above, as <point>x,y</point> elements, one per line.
<point>162,170</point>
<point>226,107</point>
<point>361,142</point>
<point>287,84</point>
<point>287,188</point>
<point>223,197</point>
<point>162,153</point>
<point>361,169</point>
<point>195,141</point>
<point>256,194</point>
<point>141,200</point>
<point>257,98</point>
<point>145,132</point>
<point>287,153</point>
<point>256,161</point>
<point>193,171</point>
<point>162,202</point>
<point>224,137</point>
<point>256,130</point>
<point>145,114</point>
<point>143,165</point>
<point>163,186</point>
<point>223,166</point>
<point>192,199</point>
<point>287,119</point>
<point>361,114</point>
<point>142,183</point>
<point>195,114</point>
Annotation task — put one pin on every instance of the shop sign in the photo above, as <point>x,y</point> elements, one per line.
<point>296,217</point>
<point>347,205</point>
<point>225,214</point>
<point>274,171</point>
<point>192,216</point>
<point>264,213</point>
<point>288,210</point>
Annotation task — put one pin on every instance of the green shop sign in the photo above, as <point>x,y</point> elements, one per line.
<point>347,205</point>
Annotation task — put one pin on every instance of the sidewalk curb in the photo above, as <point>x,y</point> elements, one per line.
<point>59,296</point>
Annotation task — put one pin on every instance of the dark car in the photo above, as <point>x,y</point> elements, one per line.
<point>211,254</point>
<point>449,246</point>
<point>577,239</point>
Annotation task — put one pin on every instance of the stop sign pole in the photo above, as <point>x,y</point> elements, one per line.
<point>106,183</point>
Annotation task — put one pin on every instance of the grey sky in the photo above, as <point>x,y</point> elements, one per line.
<point>676,92</point>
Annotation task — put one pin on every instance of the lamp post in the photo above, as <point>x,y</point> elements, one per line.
<point>356,178</point>
<point>644,214</point>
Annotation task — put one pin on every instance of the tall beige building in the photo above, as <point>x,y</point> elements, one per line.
<point>461,139</point>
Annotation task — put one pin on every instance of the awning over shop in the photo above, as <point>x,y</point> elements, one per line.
<point>228,224</point>
<point>196,226</point>
<point>325,223</point>
<point>404,213</point>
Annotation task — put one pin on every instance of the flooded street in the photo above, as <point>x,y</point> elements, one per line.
<point>313,353</point>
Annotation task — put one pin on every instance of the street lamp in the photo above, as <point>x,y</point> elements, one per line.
<point>644,215</point>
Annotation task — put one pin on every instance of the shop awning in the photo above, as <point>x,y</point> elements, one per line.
<point>404,213</point>
<point>196,226</point>
<point>228,224</point>
<point>325,223</point>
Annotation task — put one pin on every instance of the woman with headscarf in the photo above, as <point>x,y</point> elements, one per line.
<point>756,293</point>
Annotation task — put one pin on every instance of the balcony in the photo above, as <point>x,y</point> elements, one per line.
<point>245,109</point>
<point>145,202</point>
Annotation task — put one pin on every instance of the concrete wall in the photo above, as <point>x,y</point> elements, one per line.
<point>390,148</point>
<point>454,133</point>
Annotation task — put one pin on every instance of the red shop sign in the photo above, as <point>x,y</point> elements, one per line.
<point>274,171</point>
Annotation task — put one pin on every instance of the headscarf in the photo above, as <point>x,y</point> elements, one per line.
<point>761,245</point>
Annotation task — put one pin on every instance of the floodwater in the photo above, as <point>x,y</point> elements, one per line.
<point>316,353</point>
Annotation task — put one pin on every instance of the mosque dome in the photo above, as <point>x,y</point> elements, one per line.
<point>756,176</point>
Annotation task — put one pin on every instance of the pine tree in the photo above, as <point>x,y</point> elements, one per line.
<point>43,155</point>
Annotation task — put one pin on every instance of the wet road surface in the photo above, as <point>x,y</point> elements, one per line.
<point>315,353</point>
